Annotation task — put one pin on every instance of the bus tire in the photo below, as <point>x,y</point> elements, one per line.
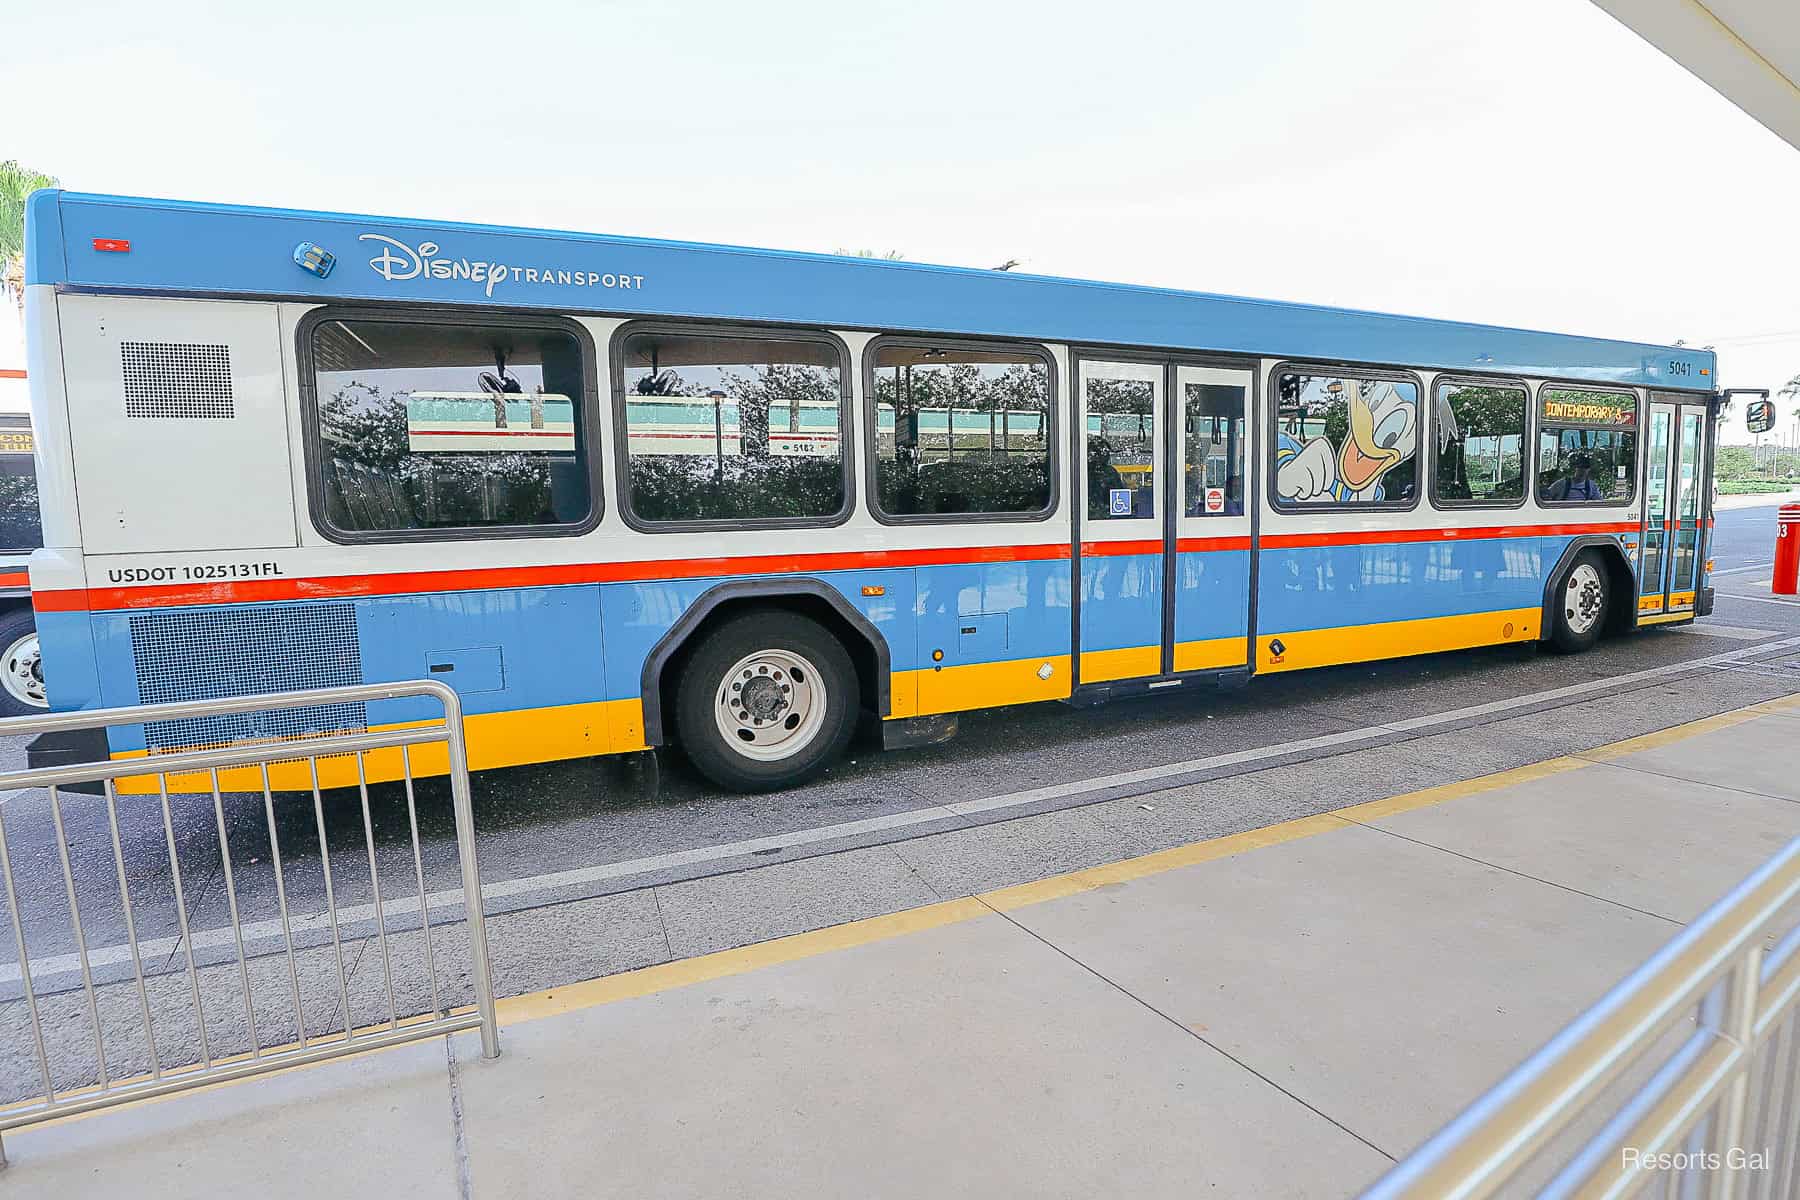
<point>1583,596</point>
<point>21,665</point>
<point>766,700</point>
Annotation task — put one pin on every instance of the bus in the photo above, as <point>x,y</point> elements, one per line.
<point>625,493</point>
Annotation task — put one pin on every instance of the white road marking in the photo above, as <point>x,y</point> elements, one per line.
<point>1742,633</point>
<point>1735,570</point>
<point>1758,599</point>
<point>451,899</point>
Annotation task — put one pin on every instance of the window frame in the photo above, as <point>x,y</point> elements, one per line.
<point>588,444</point>
<point>871,417</point>
<point>1390,374</point>
<point>746,332</point>
<point>1537,424</point>
<point>1527,445</point>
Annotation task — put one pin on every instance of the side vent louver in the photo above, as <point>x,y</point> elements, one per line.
<point>175,379</point>
<point>194,655</point>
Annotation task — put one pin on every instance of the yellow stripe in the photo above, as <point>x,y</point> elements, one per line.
<point>1211,654</point>
<point>988,685</point>
<point>502,739</point>
<point>1650,603</point>
<point>1394,639</point>
<point>1133,662</point>
<point>1665,618</point>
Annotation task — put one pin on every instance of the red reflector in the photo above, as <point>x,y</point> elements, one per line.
<point>112,245</point>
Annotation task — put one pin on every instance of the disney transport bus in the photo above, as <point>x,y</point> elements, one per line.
<point>624,493</point>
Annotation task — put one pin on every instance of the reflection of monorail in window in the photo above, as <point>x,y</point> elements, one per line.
<point>732,426</point>
<point>429,425</point>
<point>960,429</point>
<point>1587,446</point>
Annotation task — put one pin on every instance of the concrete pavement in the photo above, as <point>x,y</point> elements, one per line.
<point>1281,1011</point>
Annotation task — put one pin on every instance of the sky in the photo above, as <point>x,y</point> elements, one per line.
<point>1532,163</point>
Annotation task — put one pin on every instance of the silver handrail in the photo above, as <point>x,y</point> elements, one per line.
<point>210,1065</point>
<point>1697,1122</point>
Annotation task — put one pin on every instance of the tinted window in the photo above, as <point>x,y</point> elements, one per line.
<point>1346,439</point>
<point>1587,446</point>
<point>1480,434</point>
<point>20,528</point>
<point>426,425</point>
<point>722,427</point>
<point>960,430</point>
<point>1214,472</point>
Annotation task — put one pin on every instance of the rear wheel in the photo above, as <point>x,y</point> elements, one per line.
<point>1582,597</point>
<point>21,665</point>
<point>765,701</point>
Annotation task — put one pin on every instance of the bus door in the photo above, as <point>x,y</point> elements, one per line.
<point>1164,530</point>
<point>1669,570</point>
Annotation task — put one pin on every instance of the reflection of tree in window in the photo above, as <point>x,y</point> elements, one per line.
<point>433,426</point>
<point>1587,446</point>
<point>960,431</point>
<point>732,428</point>
<point>1214,437</point>
<point>1480,439</point>
<point>1121,445</point>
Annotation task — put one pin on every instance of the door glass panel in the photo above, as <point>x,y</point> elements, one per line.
<point>1213,441</point>
<point>1121,409</point>
<point>1687,505</point>
<point>1656,493</point>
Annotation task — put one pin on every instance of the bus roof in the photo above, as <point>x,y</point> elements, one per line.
<point>118,243</point>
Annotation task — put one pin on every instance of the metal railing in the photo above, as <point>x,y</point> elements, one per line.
<point>208,1059</point>
<point>1717,1116</point>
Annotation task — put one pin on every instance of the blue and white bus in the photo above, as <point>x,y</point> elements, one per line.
<point>623,493</point>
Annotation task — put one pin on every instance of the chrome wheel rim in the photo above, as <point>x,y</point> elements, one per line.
<point>22,671</point>
<point>770,705</point>
<point>1583,597</point>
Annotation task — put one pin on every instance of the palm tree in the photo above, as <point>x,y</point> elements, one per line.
<point>16,183</point>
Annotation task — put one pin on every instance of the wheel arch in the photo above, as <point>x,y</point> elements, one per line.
<point>1619,575</point>
<point>803,595</point>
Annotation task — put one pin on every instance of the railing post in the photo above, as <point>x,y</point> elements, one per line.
<point>464,809</point>
<point>1738,1024</point>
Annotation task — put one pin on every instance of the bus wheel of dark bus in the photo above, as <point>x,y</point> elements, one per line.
<point>765,701</point>
<point>1579,614</point>
<point>21,666</point>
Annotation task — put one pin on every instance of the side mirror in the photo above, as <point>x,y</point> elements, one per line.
<point>1759,413</point>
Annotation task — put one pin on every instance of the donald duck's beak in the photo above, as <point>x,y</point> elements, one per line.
<point>1362,460</point>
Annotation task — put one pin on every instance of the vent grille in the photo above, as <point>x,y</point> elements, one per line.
<point>170,379</point>
<point>199,655</point>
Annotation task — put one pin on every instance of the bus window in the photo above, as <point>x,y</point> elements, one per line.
<point>20,529</point>
<point>1480,444</point>
<point>1119,404</point>
<point>426,425</point>
<point>1215,448</point>
<point>1587,446</point>
<point>732,427</point>
<point>1346,439</point>
<point>960,430</point>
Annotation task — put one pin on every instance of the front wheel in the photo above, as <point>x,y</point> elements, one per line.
<point>1582,597</point>
<point>21,665</point>
<point>766,700</point>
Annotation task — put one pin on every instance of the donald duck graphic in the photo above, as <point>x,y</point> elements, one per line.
<point>1382,433</point>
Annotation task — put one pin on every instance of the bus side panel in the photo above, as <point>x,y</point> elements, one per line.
<point>1003,629</point>
<point>1212,610</point>
<point>67,641</point>
<point>1121,614</point>
<point>1355,603</point>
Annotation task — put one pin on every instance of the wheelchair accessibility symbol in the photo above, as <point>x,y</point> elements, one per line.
<point>1121,502</point>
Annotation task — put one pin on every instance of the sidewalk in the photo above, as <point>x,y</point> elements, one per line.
<point>1280,1012</point>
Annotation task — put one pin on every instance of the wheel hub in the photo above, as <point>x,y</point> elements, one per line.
<point>763,697</point>
<point>770,705</point>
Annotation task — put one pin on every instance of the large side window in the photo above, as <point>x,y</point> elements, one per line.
<point>1345,438</point>
<point>724,426</point>
<point>960,430</point>
<point>1587,446</point>
<point>1480,434</point>
<point>433,425</point>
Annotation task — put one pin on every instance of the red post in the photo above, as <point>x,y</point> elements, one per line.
<point>1787,551</point>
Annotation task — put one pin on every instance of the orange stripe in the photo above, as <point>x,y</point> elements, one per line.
<point>1288,541</point>
<point>483,578</point>
<point>15,579</point>
<point>11,373</point>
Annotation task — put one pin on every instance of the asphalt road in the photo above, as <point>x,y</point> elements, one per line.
<point>554,837</point>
